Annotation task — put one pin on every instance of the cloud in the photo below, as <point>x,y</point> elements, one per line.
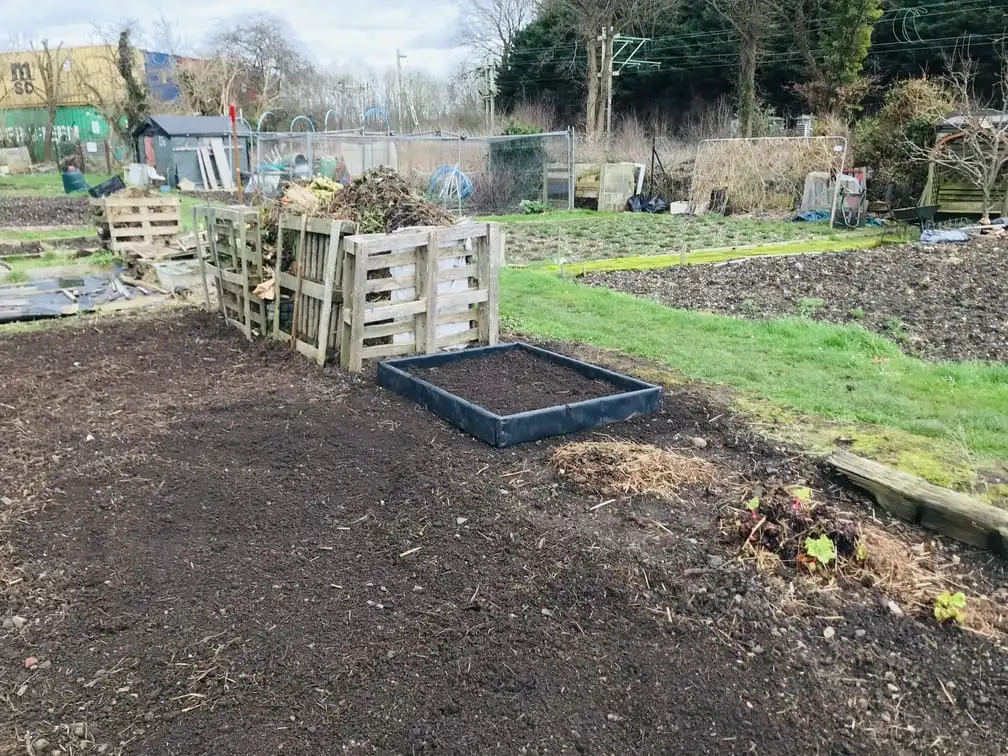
<point>348,33</point>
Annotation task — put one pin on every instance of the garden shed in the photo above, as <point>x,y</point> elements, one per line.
<point>952,193</point>
<point>172,145</point>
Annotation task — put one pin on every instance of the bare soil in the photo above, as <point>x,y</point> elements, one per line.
<point>212,547</point>
<point>31,212</point>
<point>514,381</point>
<point>942,302</point>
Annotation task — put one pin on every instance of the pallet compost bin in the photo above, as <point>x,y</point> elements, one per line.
<point>231,255</point>
<point>419,291</point>
<point>307,300</point>
<point>636,397</point>
<point>128,224</point>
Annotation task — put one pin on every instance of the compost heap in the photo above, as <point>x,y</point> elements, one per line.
<point>378,201</point>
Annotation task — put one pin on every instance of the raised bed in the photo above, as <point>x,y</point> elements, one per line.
<point>513,393</point>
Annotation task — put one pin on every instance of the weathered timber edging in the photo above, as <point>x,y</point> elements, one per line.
<point>910,498</point>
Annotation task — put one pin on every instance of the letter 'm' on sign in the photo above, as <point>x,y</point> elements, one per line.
<point>20,72</point>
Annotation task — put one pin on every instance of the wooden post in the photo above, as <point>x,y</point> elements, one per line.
<point>202,260</point>
<point>489,324</point>
<point>300,260</point>
<point>359,302</point>
<point>236,159</point>
<point>430,275</point>
<point>108,157</point>
<point>331,266</point>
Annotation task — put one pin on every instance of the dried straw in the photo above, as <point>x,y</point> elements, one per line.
<point>617,468</point>
<point>761,174</point>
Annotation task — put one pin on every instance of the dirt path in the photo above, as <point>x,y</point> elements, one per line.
<point>946,302</point>
<point>214,548</point>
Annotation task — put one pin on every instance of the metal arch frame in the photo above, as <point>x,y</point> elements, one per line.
<point>325,121</point>
<point>836,189</point>
<point>297,118</point>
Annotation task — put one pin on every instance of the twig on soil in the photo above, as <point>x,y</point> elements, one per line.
<point>599,506</point>
<point>410,551</point>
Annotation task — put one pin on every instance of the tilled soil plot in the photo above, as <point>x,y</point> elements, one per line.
<point>514,381</point>
<point>26,212</point>
<point>945,302</point>
<point>211,547</point>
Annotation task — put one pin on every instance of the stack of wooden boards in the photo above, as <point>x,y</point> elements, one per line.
<point>215,167</point>
<point>363,296</point>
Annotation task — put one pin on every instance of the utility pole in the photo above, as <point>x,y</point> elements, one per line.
<point>488,93</point>
<point>610,43</point>
<point>399,91</point>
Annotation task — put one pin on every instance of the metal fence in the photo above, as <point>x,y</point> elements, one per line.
<point>469,175</point>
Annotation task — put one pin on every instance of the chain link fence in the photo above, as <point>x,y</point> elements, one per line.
<point>468,175</point>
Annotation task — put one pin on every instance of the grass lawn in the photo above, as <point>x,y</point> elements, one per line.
<point>944,421</point>
<point>583,235</point>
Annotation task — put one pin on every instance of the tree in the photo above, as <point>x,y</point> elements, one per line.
<point>596,23</point>
<point>126,102</point>
<point>977,149</point>
<point>51,65</point>
<point>834,70</point>
<point>748,18</point>
<point>259,59</point>
<point>490,26</point>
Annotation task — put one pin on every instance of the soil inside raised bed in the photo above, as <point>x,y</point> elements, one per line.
<point>513,381</point>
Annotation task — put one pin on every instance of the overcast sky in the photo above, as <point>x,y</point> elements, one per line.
<point>336,32</point>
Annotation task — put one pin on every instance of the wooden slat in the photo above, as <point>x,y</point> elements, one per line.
<point>375,244</point>
<point>377,285</point>
<point>152,201</point>
<point>454,339</point>
<point>224,168</point>
<point>383,261</point>
<point>386,350</point>
<point>389,329</point>
<point>910,498</point>
<point>455,274</point>
<point>453,318</point>
<point>452,234</point>
<point>391,311</point>
<point>458,299</point>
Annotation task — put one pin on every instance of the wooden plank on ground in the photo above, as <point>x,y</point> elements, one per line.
<point>910,498</point>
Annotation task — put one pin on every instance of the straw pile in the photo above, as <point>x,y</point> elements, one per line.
<point>618,468</point>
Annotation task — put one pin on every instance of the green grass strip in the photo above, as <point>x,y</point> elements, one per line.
<point>841,373</point>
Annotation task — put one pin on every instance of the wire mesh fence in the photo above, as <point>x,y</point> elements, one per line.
<point>468,175</point>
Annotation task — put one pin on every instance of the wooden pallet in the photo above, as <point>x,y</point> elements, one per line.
<point>311,292</point>
<point>128,223</point>
<point>231,257</point>
<point>419,291</point>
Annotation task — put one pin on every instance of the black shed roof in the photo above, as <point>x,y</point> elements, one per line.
<point>172,126</point>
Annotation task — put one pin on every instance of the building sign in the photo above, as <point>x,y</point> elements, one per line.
<point>21,78</point>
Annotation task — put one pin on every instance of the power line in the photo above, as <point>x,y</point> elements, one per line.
<point>675,41</point>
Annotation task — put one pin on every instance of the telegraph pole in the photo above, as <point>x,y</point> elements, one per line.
<point>399,90</point>
<point>610,40</point>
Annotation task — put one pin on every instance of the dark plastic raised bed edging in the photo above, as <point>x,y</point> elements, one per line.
<point>636,397</point>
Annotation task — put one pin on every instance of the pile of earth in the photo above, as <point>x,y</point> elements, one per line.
<point>940,302</point>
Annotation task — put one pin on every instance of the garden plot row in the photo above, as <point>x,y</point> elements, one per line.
<point>363,296</point>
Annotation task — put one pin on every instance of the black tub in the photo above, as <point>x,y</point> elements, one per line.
<point>635,398</point>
